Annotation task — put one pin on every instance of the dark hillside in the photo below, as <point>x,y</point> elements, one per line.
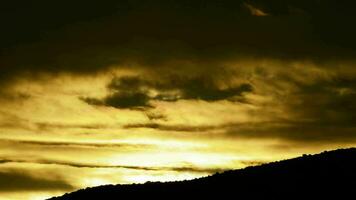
<point>322,175</point>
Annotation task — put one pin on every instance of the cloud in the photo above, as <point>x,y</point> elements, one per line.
<point>85,165</point>
<point>295,132</point>
<point>151,35</point>
<point>178,128</point>
<point>20,181</point>
<point>301,132</point>
<point>328,101</point>
<point>154,116</point>
<point>204,88</point>
<point>44,126</point>
<point>303,104</point>
<point>75,144</point>
<point>13,96</point>
<point>123,100</point>
<point>184,50</point>
<point>8,120</point>
<point>135,92</point>
<point>316,109</point>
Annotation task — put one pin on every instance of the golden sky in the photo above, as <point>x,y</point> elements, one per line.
<point>132,92</point>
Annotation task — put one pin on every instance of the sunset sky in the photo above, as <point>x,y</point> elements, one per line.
<point>129,91</point>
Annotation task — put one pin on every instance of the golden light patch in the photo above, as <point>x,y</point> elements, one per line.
<point>255,11</point>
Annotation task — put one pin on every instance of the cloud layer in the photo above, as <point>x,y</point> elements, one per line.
<point>152,34</point>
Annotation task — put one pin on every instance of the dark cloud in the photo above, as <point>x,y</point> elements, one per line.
<point>330,19</point>
<point>298,132</point>
<point>301,132</point>
<point>134,92</point>
<point>131,100</point>
<point>154,116</point>
<point>47,126</point>
<point>13,96</point>
<point>18,181</point>
<point>328,101</point>
<point>126,93</point>
<point>316,109</point>
<point>75,144</point>
<point>323,112</point>
<point>178,128</point>
<point>205,88</point>
<point>84,37</point>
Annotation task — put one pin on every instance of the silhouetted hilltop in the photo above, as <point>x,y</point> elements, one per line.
<point>328,174</point>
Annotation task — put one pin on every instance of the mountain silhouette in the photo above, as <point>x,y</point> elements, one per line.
<point>328,174</point>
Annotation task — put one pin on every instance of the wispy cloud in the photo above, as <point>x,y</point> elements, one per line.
<point>143,168</point>
<point>178,128</point>
<point>76,144</point>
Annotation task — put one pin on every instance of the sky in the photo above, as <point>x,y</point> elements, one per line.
<point>130,91</point>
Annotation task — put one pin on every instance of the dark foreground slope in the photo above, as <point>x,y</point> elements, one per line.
<point>322,175</point>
